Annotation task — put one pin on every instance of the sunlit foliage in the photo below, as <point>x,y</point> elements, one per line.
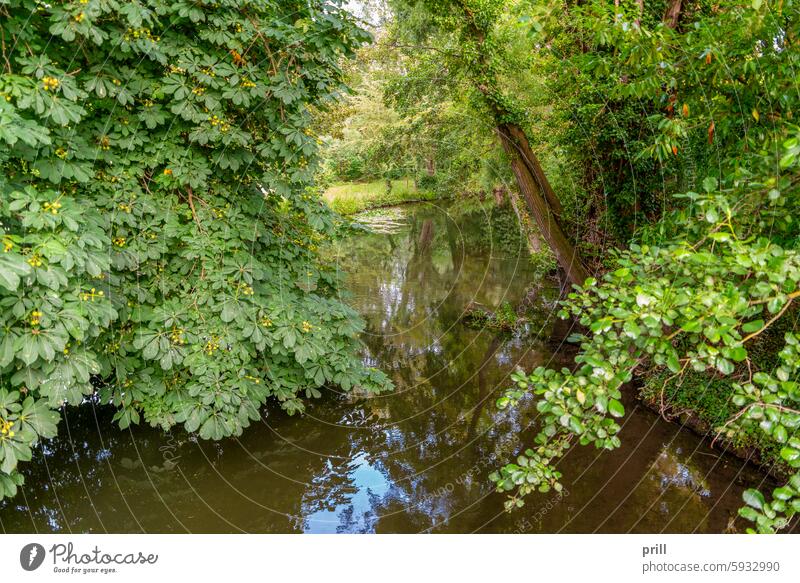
<point>709,278</point>
<point>159,237</point>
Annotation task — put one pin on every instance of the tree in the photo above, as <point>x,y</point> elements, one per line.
<point>478,28</point>
<point>721,268</point>
<point>159,236</point>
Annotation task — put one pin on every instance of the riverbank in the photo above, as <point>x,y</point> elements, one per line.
<point>703,405</point>
<point>699,402</point>
<point>353,197</point>
<point>416,460</point>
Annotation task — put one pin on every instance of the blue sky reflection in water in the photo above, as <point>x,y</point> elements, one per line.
<point>415,460</point>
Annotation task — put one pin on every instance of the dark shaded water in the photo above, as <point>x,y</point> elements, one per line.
<point>410,461</point>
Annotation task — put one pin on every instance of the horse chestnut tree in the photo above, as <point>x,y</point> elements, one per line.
<point>159,232</point>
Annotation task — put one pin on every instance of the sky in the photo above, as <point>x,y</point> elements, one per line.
<point>373,11</point>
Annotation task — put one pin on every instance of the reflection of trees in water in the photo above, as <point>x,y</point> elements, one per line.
<point>412,326</point>
<point>447,372</point>
<point>329,488</point>
<point>483,386</point>
<point>70,487</point>
<point>452,439</point>
<point>408,461</point>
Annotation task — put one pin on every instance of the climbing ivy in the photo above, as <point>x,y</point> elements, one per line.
<point>159,234</point>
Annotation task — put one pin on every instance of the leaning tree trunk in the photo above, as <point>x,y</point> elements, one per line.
<point>523,160</point>
<point>539,197</point>
<point>524,220</point>
<point>673,14</point>
<point>523,148</point>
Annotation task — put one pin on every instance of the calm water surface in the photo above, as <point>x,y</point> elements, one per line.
<point>409,461</point>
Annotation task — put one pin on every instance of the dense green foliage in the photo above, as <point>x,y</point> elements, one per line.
<point>406,118</point>
<point>360,135</point>
<point>674,125</point>
<point>716,273</point>
<point>159,237</point>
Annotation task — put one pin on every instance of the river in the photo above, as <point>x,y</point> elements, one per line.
<point>413,460</point>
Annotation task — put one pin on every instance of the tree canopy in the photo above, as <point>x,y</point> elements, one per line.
<point>160,240</point>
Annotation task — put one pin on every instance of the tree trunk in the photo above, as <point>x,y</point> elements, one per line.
<point>426,236</point>
<point>539,197</point>
<point>532,162</point>
<point>673,14</point>
<point>484,389</point>
<point>515,142</point>
<point>525,227</point>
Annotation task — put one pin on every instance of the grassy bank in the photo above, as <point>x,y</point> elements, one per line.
<point>703,403</point>
<point>352,197</point>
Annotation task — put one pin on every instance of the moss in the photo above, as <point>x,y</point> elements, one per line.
<point>505,316</point>
<point>706,396</point>
<point>763,350</point>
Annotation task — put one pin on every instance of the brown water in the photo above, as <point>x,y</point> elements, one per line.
<point>414,460</point>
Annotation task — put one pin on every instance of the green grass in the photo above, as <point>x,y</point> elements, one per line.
<point>353,197</point>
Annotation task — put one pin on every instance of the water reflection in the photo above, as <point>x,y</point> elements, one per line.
<point>415,460</point>
<point>353,509</point>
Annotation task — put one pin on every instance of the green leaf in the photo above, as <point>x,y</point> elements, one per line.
<point>790,454</point>
<point>13,451</point>
<point>27,349</point>
<point>632,329</point>
<point>724,365</point>
<point>710,184</point>
<point>39,417</point>
<point>616,408</point>
<point>748,513</point>
<point>754,498</point>
<point>738,354</point>
<point>753,326</point>
<point>230,310</point>
<point>575,425</point>
<point>673,363</point>
<point>212,428</point>
<point>692,326</point>
<point>12,268</point>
